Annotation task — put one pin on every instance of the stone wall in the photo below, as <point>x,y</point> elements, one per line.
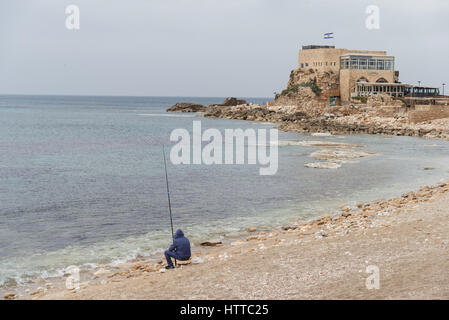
<point>327,58</point>
<point>391,111</point>
<point>349,77</point>
<point>425,113</point>
<point>322,59</point>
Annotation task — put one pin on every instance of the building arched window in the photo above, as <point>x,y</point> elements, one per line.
<point>382,80</point>
<point>362,79</point>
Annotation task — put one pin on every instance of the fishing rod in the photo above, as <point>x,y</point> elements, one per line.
<point>168,196</point>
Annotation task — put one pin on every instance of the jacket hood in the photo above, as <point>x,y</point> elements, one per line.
<point>179,234</point>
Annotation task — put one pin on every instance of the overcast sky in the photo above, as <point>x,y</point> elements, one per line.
<point>204,47</point>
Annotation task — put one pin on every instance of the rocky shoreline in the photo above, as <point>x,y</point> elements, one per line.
<point>351,219</point>
<point>349,124</point>
<point>349,119</point>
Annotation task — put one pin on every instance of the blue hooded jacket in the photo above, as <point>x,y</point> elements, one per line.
<point>181,245</point>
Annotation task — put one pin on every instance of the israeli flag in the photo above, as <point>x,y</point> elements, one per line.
<point>329,35</point>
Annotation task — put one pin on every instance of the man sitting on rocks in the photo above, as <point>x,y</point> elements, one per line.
<point>180,249</point>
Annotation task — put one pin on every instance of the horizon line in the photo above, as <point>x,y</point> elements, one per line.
<point>124,96</point>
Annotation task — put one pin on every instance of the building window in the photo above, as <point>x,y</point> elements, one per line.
<point>302,65</point>
<point>363,63</point>
<point>380,65</point>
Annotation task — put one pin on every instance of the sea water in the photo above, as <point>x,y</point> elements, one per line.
<point>82,181</point>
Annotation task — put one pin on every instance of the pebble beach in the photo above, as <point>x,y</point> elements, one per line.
<point>406,238</point>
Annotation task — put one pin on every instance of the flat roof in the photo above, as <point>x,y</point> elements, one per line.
<point>395,84</point>
<point>366,55</point>
<point>427,98</point>
<point>313,46</point>
<point>384,83</point>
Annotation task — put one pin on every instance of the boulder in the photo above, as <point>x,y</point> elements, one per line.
<point>9,296</point>
<point>231,101</point>
<point>183,262</point>
<point>186,107</point>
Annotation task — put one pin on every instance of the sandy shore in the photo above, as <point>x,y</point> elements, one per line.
<point>406,238</point>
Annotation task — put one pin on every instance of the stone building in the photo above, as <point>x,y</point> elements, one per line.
<point>360,72</point>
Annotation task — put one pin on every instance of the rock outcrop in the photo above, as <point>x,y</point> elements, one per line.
<point>306,90</point>
<point>344,120</point>
<point>195,107</point>
<point>321,78</point>
<point>231,101</point>
<point>186,107</point>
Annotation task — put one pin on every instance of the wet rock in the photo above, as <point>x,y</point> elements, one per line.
<point>9,296</point>
<point>186,107</point>
<point>101,272</point>
<point>37,291</point>
<point>184,262</point>
<point>137,266</point>
<point>148,268</point>
<point>251,229</point>
<point>323,165</point>
<point>113,275</point>
<point>210,243</point>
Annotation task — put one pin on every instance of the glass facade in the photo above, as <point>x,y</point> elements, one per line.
<point>367,63</point>
<point>394,90</point>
